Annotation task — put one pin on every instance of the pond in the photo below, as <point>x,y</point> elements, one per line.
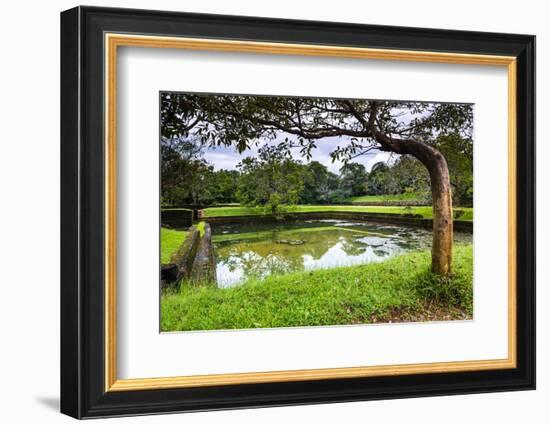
<point>256,250</point>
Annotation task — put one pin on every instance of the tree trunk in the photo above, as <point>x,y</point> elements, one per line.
<point>434,161</point>
<point>442,245</point>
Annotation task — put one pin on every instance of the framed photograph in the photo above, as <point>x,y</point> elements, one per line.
<point>261,212</point>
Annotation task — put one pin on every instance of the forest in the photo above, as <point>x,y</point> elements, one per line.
<point>274,177</point>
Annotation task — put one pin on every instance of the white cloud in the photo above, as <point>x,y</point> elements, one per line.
<point>224,157</point>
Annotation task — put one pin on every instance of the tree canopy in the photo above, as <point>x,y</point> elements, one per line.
<point>191,123</point>
<point>271,180</point>
<point>243,120</point>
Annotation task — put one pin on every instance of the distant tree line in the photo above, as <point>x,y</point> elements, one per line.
<point>273,177</point>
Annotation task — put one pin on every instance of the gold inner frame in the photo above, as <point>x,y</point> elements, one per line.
<point>113,41</point>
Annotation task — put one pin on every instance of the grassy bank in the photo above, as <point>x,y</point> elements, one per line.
<point>170,240</point>
<point>408,196</point>
<point>425,212</point>
<point>400,289</point>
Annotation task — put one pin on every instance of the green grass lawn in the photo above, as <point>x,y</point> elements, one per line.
<point>408,196</point>
<point>426,212</point>
<point>400,289</point>
<point>170,240</point>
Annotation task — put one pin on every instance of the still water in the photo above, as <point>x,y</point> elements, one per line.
<point>245,251</point>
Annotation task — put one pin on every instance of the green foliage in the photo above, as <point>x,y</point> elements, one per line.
<point>401,288</point>
<point>339,196</point>
<point>223,186</point>
<point>240,121</point>
<point>320,184</point>
<point>352,178</point>
<point>459,155</point>
<point>270,180</point>
<point>375,183</point>
<point>190,122</point>
<point>170,240</point>
<point>407,175</point>
<point>184,180</point>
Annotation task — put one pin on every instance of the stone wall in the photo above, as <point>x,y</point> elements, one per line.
<point>194,261</point>
<point>181,261</point>
<point>399,219</point>
<point>204,265</point>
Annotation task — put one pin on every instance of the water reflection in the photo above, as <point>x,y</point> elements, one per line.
<point>246,251</point>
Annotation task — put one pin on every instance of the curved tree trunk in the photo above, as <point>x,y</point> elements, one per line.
<point>442,245</point>
<point>434,161</point>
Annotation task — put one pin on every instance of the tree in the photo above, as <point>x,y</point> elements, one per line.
<point>352,178</point>
<point>223,186</point>
<point>271,180</point>
<point>408,175</point>
<point>172,166</point>
<point>376,179</point>
<point>404,128</point>
<point>319,184</point>
<point>459,155</point>
<point>405,175</point>
<point>185,179</point>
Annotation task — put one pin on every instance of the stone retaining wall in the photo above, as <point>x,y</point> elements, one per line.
<point>181,261</point>
<point>204,265</point>
<point>399,219</point>
<point>194,260</point>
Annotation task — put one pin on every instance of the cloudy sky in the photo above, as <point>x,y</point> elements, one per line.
<point>227,158</point>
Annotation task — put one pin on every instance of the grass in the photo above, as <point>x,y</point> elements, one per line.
<point>200,227</point>
<point>170,240</point>
<point>400,289</point>
<point>408,196</point>
<point>425,212</point>
<point>465,214</point>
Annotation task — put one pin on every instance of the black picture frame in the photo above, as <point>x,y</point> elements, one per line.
<point>83,392</point>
